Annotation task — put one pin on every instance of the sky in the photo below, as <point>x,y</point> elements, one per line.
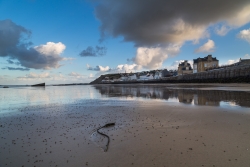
<point>76,41</point>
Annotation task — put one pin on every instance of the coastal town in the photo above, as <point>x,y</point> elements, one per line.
<point>200,66</point>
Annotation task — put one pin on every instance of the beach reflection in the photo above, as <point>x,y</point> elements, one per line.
<point>182,95</point>
<point>17,97</point>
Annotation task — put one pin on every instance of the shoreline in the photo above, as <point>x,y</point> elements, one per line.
<point>210,86</point>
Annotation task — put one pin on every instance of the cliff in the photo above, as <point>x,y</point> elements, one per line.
<point>111,76</point>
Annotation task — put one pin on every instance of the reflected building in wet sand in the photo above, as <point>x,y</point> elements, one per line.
<point>183,95</point>
<point>203,98</point>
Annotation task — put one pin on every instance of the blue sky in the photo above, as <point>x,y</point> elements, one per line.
<point>135,36</point>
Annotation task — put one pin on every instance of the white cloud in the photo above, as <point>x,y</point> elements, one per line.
<point>245,35</point>
<point>121,68</point>
<point>35,76</point>
<point>103,69</point>
<point>240,18</point>
<point>98,68</point>
<point>56,78</point>
<point>4,76</point>
<point>91,76</point>
<point>127,68</point>
<point>229,62</point>
<point>247,56</point>
<point>75,74</point>
<point>152,58</point>
<point>223,30</point>
<point>184,31</point>
<point>51,48</point>
<point>234,21</point>
<point>68,59</point>
<point>207,47</point>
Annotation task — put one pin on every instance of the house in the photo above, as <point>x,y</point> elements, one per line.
<point>165,73</point>
<point>132,77</point>
<point>203,64</point>
<point>158,74</point>
<point>173,72</point>
<point>243,62</point>
<point>106,79</point>
<point>123,77</point>
<point>184,68</point>
<point>146,77</point>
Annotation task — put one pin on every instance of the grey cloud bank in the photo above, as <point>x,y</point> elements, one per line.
<point>159,28</point>
<point>94,52</point>
<point>150,23</point>
<point>20,69</point>
<point>14,44</point>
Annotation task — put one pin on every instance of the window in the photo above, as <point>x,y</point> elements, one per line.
<point>205,65</point>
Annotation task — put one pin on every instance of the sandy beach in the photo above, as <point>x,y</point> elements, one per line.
<point>146,133</point>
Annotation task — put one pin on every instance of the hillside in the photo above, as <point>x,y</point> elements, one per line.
<point>111,76</point>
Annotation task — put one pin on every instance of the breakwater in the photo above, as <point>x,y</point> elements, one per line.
<point>233,74</point>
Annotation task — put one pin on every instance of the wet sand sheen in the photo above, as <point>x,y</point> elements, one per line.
<point>147,133</point>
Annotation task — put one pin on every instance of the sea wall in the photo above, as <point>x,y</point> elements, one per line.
<point>228,72</point>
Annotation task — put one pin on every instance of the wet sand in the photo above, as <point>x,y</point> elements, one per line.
<point>147,133</point>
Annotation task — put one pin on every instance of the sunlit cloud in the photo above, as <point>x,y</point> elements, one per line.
<point>245,35</point>
<point>152,32</point>
<point>98,68</point>
<point>14,44</point>
<point>153,58</point>
<point>247,56</point>
<point>223,30</point>
<point>208,47</point>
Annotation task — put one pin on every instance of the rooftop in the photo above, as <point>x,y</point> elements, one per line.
<point>205,59</point>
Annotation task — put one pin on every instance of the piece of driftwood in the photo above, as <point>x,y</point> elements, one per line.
<point>105,126</point>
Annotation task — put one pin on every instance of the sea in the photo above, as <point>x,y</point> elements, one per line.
<point>227,96</point>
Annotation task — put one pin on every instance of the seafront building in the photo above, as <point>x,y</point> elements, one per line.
<point>204,64</point>
<point>208,64</point>
<point>185,68</point>
<point>243,62</point>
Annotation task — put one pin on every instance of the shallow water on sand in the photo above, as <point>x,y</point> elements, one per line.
<point>218,95</point>
<point>55,125</point>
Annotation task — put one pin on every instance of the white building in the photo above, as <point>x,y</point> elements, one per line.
<point>158,75</point>
<point>146,77</point>
<point>132,77</point>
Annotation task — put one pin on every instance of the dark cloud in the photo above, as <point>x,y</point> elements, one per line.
<point>97,68</point>
<point>94,52</point>
<point>10,61</point>
<point>12,68</point>
<point>10,36</point>
<point>14,44</point>
<point>151,23</point>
